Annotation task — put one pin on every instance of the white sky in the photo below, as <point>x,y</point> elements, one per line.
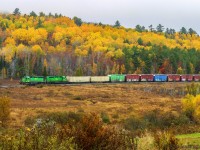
<point>170,13</point>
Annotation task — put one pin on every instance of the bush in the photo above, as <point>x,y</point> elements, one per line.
<point>166,141</point>
<point>157,119</point>
<point>45,136</point>
<point>78,98</point>
<point>90,133</point>
<point>29,121</point>
<point>105,118</point>
<point>193,89</point>
<point>134,123</point>
<point>4,110</point>
<point>146,142</point>
<point>182,119</point>
<point>61,117</point>
<point>152,117</point>
<point>191,107</point>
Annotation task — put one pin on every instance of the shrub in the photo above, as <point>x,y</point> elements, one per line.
<point>78,98</point>
<point>146,142</point>
<point>157,119</point>
<point>61,117</point>
<point>191,107</point>
<point>105,118</point>
<point>133,123</point>
<point>29,121</point>
<point>193,89</point>
<point>166,141</point>
<point>45,136</point>
<point>90,133</point>
<point>87,134</point>
<point>182,119</point>
<point>4,110</point>
<point>152,117</point>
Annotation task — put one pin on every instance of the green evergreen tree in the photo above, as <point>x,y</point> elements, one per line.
<point>183,30</point>
<point>56,15</point>
<point>117,24</point>
<point>160,28</point>
<point>16,11</point>
<point>151,29</point>
<point>191,31</point>
<point>39,24</point>
<point>140,41</point>
<point>33,14</point>
<point>77,21</point>
<point>42,14</point>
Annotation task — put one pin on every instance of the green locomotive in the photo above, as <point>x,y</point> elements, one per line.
<point>41,79</point>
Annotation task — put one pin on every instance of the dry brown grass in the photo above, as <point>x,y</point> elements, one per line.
<point>121,100</point>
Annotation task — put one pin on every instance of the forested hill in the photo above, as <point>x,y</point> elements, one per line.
<point>57,45</point>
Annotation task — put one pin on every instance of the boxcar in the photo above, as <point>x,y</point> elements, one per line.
<point>132,78</point>
<point>56,79</point>
<point>196,77</point>
<point>173,77</point>
<point>146,77</point>
<point>160,78</point>
<point>187,77</point>
<point>102,79</point>
<point>183,78</point>
<point>32,80</point>
<point>77,79</point>
<point>117,77</point>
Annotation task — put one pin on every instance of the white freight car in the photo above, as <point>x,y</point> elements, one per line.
<point>100,79</point>
<point>77,79</point>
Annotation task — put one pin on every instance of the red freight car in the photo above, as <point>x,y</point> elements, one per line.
<point>173,77</point>
<point>132,78</point>
<point>147,77</point>
<point>197,77</point>
<point>183,78</point>
<point>187,77</point>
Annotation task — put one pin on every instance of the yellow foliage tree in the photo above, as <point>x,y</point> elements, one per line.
<point>191,107</point>
<point>36,49</point>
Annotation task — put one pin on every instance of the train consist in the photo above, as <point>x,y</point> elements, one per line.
<point>110,78</point>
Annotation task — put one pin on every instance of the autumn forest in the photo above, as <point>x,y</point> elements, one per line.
<point>38,44</point>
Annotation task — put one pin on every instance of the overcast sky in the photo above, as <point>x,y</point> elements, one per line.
<point>170,13</point>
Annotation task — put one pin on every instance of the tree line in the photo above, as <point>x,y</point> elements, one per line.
<point>57,45</point>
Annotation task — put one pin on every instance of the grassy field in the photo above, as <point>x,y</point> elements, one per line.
<point>191,140</point>
<point>117,100</point>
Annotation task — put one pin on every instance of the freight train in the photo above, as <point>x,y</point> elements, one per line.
<point>32,80</point>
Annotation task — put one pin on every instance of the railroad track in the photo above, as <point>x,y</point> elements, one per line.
<point>98,83</point>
